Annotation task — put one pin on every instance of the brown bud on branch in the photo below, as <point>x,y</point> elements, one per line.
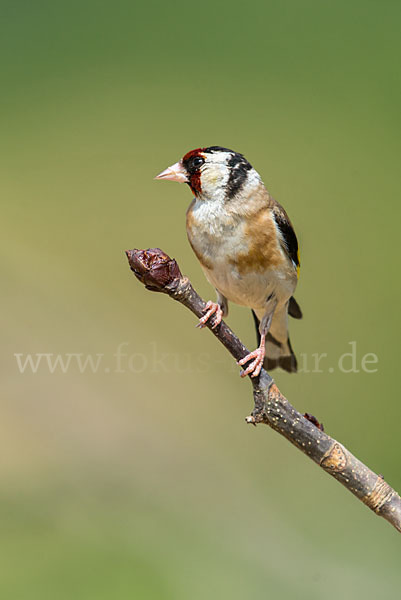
<point>153,268</point>
<point>160,273</point>
<point>313,420</point>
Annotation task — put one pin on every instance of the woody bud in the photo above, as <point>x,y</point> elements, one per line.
<point>155,269</point>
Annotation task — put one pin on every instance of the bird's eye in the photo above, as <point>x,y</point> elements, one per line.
<point>196,162</point>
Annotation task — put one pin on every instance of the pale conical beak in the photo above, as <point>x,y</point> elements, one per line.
<point>174,173</point>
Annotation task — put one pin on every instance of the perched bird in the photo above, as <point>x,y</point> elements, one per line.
<point>246,246</point>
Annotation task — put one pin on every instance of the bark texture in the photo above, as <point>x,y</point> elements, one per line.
<point>158,272</point>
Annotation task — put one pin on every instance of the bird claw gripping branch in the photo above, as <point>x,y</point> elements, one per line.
<point>158,272</point>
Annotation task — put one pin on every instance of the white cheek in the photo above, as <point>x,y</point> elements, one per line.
<point>214,180</point>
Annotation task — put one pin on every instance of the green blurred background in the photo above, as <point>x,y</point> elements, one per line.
<point>146,482</point>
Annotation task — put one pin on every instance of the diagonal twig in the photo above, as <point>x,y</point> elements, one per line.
<point>160,273</point>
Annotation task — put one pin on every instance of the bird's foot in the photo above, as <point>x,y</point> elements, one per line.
<point>256,365</point>
<point>211,308</point>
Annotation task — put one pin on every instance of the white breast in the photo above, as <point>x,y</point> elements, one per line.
<point>217,237</point>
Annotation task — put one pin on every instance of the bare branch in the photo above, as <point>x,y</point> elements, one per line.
<point>160,273</point>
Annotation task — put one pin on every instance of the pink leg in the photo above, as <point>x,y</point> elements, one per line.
<point>257,364</point>
<point>212,309</point>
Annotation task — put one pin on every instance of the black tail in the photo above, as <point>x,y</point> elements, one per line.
<point>286,359</point>
<point>278,354</point>
<point>294,310</point>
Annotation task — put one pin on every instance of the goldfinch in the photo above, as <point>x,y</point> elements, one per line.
<point>246,246</point>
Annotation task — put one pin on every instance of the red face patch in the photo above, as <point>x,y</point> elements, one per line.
<point>193,170</point>
<point>195,183</point>
<point>196,152</point>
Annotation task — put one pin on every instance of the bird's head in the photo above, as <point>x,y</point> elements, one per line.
<point>213,174</point>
